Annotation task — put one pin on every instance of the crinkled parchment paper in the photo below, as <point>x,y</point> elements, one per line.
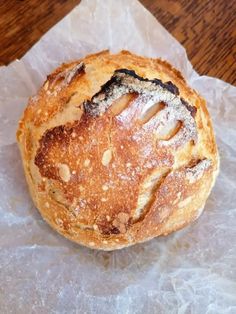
<point>191,271</point>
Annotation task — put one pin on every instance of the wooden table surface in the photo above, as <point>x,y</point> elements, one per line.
<point>206,28</point>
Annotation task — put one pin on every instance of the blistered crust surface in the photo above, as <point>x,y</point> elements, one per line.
<point>117,149</point>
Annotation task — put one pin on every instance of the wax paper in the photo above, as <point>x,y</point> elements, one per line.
<point>191,271</point>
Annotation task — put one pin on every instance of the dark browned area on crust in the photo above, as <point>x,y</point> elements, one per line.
<point>116,81</point>
<point>91,107</point>
<point>60,134</point>
<point>191,109</point>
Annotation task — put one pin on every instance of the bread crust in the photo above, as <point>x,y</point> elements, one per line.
<point>105,177</point>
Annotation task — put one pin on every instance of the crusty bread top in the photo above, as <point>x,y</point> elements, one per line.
<point>112,144</point>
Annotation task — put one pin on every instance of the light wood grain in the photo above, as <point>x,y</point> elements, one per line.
<point>206,28</point>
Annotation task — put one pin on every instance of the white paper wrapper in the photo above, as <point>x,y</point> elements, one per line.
<point>191,271</point>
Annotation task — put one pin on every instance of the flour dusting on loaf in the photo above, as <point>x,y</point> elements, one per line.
<point>117,149</point>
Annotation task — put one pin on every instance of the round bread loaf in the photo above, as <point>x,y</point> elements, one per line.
<point>117,149</point>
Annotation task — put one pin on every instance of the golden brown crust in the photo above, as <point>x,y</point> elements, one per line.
<point>120,174</point>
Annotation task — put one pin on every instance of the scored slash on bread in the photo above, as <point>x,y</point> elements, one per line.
<point>125,81</point>
<point>117,149</point>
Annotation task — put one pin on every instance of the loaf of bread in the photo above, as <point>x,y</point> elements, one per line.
<point>117,150</point>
